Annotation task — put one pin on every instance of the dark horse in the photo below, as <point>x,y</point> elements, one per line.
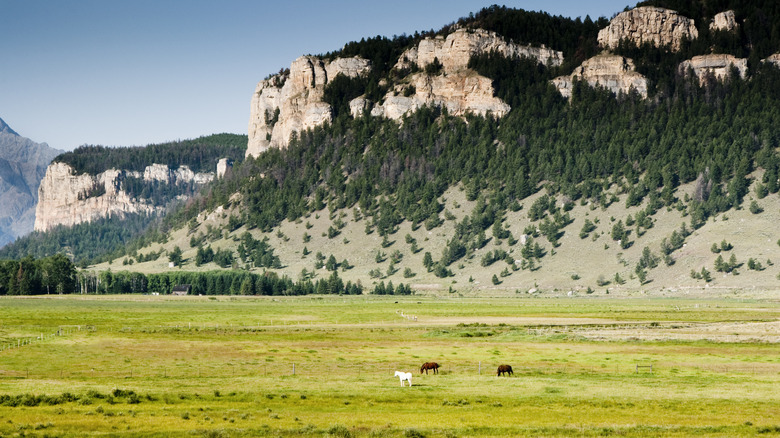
<point>504,369</point>
<point>429,366</point>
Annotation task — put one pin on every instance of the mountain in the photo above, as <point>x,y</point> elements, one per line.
<point>22,166</point>
<point>510,152</point>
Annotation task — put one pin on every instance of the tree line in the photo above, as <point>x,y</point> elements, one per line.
<point>200,155</point>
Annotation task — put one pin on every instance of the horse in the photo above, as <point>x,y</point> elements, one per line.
<point>404,376</point>
<point>429,366</point>
<point>505,369</point>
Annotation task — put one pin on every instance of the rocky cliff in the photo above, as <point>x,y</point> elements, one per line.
<point>460,92</point>
<point>725,21</point>
<point>715,66</point>
<point>22,165</point>
<point>292,101</point>
<point>648,24</point>
<point>615,73</point>
<point>69,199</point>
<point>773,59</point>
<point>454,51</point>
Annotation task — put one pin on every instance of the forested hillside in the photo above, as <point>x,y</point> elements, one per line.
<point>95,240</point>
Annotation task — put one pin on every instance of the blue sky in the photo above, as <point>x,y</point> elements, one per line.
<point>123,73</point>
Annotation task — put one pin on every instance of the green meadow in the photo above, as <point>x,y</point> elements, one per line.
<point>323,366</point>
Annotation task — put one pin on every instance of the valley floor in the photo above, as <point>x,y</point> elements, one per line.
<point>323,366</point>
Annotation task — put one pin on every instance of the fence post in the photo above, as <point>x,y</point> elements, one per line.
<point>293,368</point>
<point>480,368</point>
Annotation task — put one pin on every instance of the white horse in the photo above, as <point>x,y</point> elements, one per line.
<point>404,376</point>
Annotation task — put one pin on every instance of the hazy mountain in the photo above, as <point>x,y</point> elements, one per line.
<point>22,166</point>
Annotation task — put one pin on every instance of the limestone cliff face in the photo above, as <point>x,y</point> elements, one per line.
<point>456,88</point>
<point>773,59</point>
<point>613,72</point>
<point>454,51</point>
<point>714,66</point>
<point>648,24</point>
<point>725,20</point>
<point>65,198</point>
<point>292,102</point>
<point>460,92</point>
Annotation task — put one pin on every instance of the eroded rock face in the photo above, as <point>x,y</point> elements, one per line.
<point>648,24</point>
<point>65,198</point>
<point>293,102</point>
<point>724,21</point>
<point>615,73</point>
<point>459,92</point>
<point>454,51</point>
<point>773,59</point>
<point>714,66</point>
<point>223,165</point>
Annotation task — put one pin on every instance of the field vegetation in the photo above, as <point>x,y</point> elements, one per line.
<point>133,365</point>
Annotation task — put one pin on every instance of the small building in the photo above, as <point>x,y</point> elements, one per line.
<point>181,290</point>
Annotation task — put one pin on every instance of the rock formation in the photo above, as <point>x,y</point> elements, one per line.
<point>69,199</point>
<point>613,72</point>
<point>724,21</point>
<point>223,165</point>
<point>460,92</point>
<point>717,66</point>
<point>773,59</point>
<point>454,51</point>
<point>22,165</point>
<point>292,102</point>
<point>648,24</point>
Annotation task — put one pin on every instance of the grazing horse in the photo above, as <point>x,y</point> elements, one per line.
<point>429,366</point>
<point>404,376</point>
<point>505,369</point>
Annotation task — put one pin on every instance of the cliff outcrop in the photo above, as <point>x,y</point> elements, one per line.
<point>773,59</point>
<point>714,66</point>
<point>648,24</point>
<point>615,73</point>
<point>725,21</point>
<point>65,198</point>
<point>454,51</point>
<point>460,92</point>
<point>293,101</point>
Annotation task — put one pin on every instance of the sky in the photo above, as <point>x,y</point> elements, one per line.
<point>132,73</point>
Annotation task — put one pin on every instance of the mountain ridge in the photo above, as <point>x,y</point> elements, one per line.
<point>22,165</point>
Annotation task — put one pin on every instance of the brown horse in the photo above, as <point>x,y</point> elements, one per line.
<point>429,366</point>
<point>504,369</point>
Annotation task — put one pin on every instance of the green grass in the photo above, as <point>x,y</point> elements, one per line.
<point>224,367</point>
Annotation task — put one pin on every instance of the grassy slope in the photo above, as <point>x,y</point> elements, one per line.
<point>751,234</point>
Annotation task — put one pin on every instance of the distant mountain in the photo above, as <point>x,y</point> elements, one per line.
<point>23,163</point>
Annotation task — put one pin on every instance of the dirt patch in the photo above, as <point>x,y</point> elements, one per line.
<point>519,320</point>
<point>768,332</point>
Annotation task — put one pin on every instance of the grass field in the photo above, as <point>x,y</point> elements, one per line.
<point>323,366</point>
